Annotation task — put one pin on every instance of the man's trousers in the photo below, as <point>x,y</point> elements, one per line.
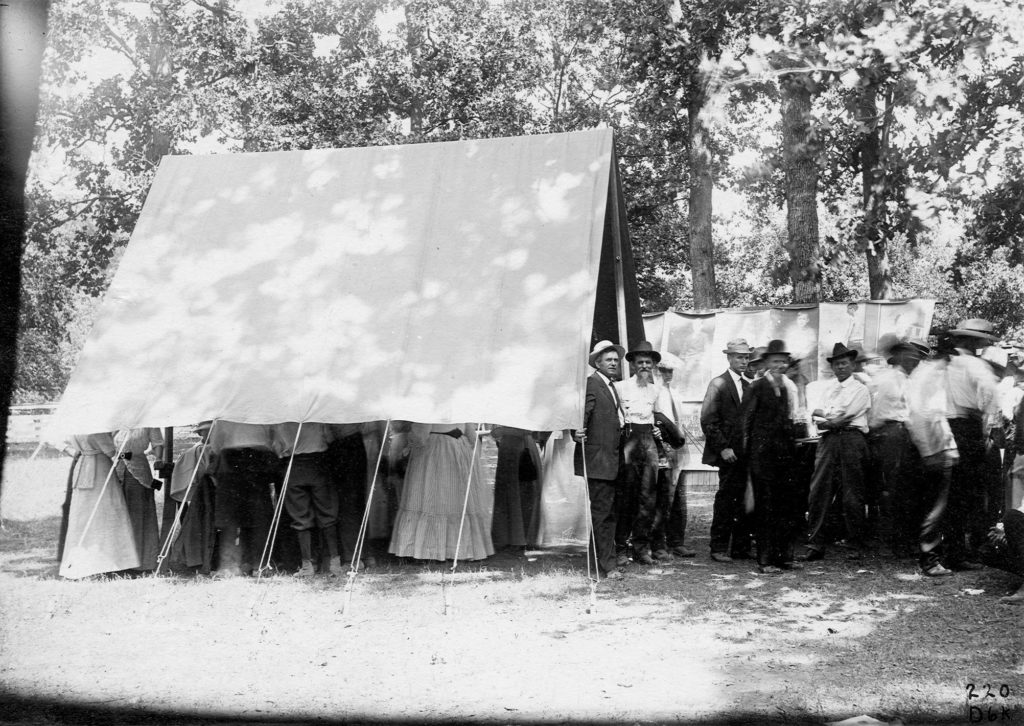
<point>838,468</point>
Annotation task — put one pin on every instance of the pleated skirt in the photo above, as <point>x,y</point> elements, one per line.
<point>429,515</point>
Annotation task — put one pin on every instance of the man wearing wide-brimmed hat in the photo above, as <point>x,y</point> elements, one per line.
<point>842,456</point>
<point>973,407</point>
<point>892,454</point>
<point>600,455</point>
<point>723,433</point>
<point>770,442</point>
<point>640,394</point>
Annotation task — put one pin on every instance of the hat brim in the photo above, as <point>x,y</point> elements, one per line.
<point>974,334</point>
<point>748,351</point>
<point>596,354</point>
<point>654,355</point>
<point>852,354</point>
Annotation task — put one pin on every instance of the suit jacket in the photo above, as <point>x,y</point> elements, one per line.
<point>720,420</point>
<point>766,417</point>
<point>601,419</point>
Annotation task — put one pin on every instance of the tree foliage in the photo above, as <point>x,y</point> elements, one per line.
<point>912,123</point>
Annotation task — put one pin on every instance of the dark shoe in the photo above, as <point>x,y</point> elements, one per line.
<point>810,556</point>
<point>965,565</point>
<point>643,558</point>
<point>770,569</point>
<point>742,555</point>
<point>855,555</point>
<point>615,574</point>
<point>683,552</point>
<point>791,566</point>
<point>936,570</point>
<point>307,569</point>
<point>720,557</point>
<point>621,560</point>
<point>661,555</point>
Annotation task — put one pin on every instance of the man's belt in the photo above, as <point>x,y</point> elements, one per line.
<point>843,430</point>
<point>886,423</point>
<point>638,428</point>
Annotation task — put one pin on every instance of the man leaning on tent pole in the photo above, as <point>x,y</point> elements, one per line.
<point>599,455</point>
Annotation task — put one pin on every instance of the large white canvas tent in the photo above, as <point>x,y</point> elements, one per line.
<point>446,282</point>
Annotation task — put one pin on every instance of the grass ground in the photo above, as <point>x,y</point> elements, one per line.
<point>694,641</point>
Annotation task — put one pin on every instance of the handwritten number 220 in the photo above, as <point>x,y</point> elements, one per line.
<point>1004,691</point>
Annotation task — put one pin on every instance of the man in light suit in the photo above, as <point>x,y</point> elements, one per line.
<point>602,451</point>
<point>721,423</point>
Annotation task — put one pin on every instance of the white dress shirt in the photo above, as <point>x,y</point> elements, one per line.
<point>639,402</point>
<point>849,398</point>
<point>612,389</point>
<point>737,380</point>
<point>889,400</point>
<point>972,386</point>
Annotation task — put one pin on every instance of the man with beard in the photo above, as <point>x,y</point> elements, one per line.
<point>721,424</point>
<point>639,395</point>
<point>599,456</point>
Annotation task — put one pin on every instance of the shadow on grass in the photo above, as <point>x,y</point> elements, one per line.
<point>18,709</point>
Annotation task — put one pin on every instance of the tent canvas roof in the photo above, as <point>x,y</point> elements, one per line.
<point>440,282</point>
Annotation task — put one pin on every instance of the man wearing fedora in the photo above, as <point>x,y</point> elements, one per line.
<point>599,456</point>
<point>723,433</point>
<point>842,456</point>
<point>770,442</point>
<point>893,456</point>
<point>973,407</point>
<point>639,395</point>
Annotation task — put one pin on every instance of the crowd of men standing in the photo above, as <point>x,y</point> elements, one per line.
<point>915,455</point>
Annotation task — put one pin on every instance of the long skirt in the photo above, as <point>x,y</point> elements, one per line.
<point>430,513</point>
<point>141,503</point>
<point>515,500</point>
<point>109,543</point>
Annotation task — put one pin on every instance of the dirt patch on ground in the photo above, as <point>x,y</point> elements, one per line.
<point>693,641</point>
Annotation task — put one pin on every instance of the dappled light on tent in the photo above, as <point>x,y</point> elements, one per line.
<point>445,282</point>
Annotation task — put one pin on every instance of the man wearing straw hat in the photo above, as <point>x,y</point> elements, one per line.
<point>601,456</point>
<point>723,432</point>
<point>842,456</point>
<point>973,407</point>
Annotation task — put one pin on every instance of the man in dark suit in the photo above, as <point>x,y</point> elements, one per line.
<point>720,421</point>
<point>770,444</point>
<point>602,452</point>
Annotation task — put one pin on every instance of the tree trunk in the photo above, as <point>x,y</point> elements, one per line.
<point>874,194</point>
<point>161,73</point>
<point>702,251</point>
<point>414,46</point>
<point>799,154</point>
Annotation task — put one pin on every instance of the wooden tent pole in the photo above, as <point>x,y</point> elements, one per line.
<point>170,506</point>
<point>620,291</point>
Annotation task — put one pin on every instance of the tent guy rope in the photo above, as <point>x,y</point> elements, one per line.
<point>96,506</point>
<point>169,540</point>
<point>462,523</point>
<point>357,555</point>
<point>268,547</point>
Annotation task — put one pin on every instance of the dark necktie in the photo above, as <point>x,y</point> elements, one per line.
<point>618,403</point>
<point>744,385</point>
